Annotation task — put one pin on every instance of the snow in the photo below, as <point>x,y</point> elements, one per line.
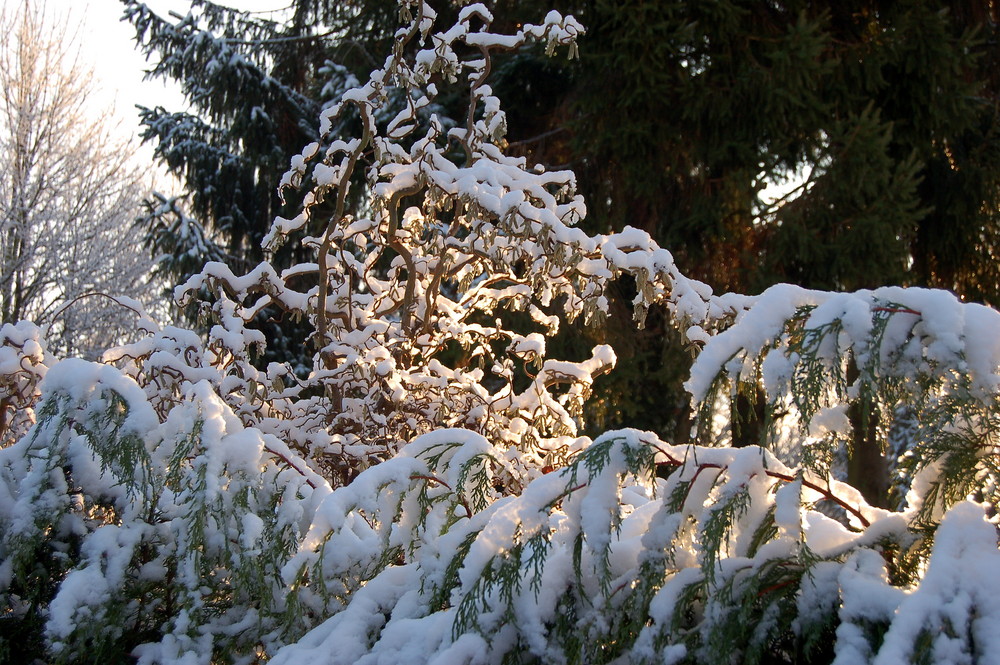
<point>958,600</point>
<point>82,381</point>
<point>107,553</point>
<point>735,348</point>
<point>423,493</point>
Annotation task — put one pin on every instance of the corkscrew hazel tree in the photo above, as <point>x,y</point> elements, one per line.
<point>403,301</point>
<point>423,495</point>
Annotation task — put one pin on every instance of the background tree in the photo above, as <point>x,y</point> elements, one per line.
<point>682,113</point>
<point>69,192</point>
<point>882,117</point>
<point>254,83</point>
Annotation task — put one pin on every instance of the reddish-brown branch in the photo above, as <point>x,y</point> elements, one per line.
<point>825,492</point>
<point>566,493</point>
<point>694,478</point>
<point>897,310</point>
<point>291,465</point>
<point>774,587</point>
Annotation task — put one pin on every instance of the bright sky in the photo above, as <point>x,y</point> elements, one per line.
<point>106,43</point>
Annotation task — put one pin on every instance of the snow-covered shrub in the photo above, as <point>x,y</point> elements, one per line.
<point>424,496</point>
<point>845,370</point>
<point>636,552</point>
<point>404,300</point>
<point>168,531</point>
<point>23,361</point>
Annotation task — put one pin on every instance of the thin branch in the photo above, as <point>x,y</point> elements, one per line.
<point>59,312</point>
<point>537,138</point>
<point>279,40</point>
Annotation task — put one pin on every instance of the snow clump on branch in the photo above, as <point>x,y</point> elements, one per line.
<point>424,493</point>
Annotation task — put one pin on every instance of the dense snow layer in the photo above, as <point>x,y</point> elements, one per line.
<point>422,493</point>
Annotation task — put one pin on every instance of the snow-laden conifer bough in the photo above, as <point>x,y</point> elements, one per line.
<point>423,496</point>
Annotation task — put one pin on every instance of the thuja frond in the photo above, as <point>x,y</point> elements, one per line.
<point>765,531</point>
<point>489,602</point>
<point>473,482</point>
<point>40,505</point>
<point>631,615</point>
<point>752,612</point>
<point>818,367</point>
<point>688,610</point>
<point>717,528</point>
<point>184,450</point>
<point>889,335</point>
<point>953,454</point>
<point>98,417</point>
<point>441,596</point>
<point>120,450</point>
<point>538,550</point>
<point>475,472</point>
<point>707,408</point>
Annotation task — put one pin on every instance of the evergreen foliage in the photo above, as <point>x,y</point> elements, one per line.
<point>678,118</point>
<point>254,87</point>
<point>879,117</point>
<point>700,105</point>
<point>414,499</point>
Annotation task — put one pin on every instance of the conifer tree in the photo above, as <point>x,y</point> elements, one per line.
<point>254,83</point>
<point>680,115</point>
<point>882,115</point>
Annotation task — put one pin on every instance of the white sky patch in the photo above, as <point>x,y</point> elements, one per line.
<point>107,45</point>
<point>776,190</point>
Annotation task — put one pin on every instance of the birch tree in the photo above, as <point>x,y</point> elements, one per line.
<point>69,191</point>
